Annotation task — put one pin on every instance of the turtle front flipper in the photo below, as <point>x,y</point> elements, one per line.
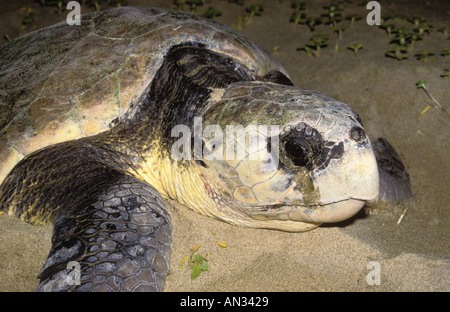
<point>121,242</point>
<point>110,230</point>
<point>394,179</point>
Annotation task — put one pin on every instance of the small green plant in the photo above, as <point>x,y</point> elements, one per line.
<point>96,5</point>
<point>255,10</point>
<point>353,19</point>
<point>312,22</point>
<point>239,21</point>
<point>423,29</point>
<point>400,40</point>
<point>416,20</point>
<point>180,5</point>
<point>445,52</point>
<point>443,30</point>
<point>305,48</point>
<point>315,44</point>
<point>338,31</point>
<point>355,48</point>
<point>333,16</point>
<point>275,50</point>
<point>333,22</point>
<point>298,17</point>
<point>212,13</point>
<point>412,38</point>
<point>399,31</point>
<point>421,85</point>
<point>389,28</point>
<point>406,39</point>
<point>188,5</point>
<point>401,36</point>
<point>446,73</point>
<point>198,264</point>
<point>59,7</point>
<point>333,7</point>
<point>30,16</point>
<point>398,52</point>
<point>424,56</point>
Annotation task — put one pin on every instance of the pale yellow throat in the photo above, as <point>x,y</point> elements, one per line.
<point>174,180</point>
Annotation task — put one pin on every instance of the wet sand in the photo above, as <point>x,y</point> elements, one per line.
<point>412,255</point>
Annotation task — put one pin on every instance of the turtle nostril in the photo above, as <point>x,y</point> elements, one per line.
<point>358,134</point>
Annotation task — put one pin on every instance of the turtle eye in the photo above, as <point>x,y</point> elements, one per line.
<point>295,152</point>
<point>302,146</point>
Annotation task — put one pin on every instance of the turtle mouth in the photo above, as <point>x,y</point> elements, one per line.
<point>318,213</point>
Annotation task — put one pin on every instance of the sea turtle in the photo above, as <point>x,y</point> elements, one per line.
<point>97,122</point>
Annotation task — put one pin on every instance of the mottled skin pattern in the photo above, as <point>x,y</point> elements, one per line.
<point>91,110</point>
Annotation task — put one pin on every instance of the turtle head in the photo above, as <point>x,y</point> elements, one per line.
<point>285,158</point>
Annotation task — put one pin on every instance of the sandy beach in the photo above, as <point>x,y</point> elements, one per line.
<point>411,255</point>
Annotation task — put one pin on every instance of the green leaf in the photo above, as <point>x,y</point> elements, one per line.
<point>421,83</point>
<point>196,271</point>
<point>198,258</point>
<point>204,266</point>
<point>212,13</point>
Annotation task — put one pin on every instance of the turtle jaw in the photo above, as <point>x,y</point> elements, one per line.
<point>328,213</point>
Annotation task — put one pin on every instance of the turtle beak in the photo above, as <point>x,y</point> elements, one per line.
<point>346,184</point>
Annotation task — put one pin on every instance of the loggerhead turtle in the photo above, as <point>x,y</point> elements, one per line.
<point>87,120</point>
